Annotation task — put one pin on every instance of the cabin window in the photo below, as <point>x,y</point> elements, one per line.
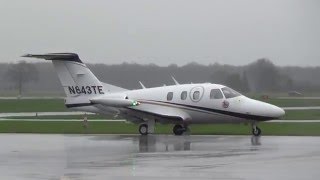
<point>184,95</point>
<point>216,94</point>
<point>170,96</point>
<point>230,93</point>
<point>196,95</point>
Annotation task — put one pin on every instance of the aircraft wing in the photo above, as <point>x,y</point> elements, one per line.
<point>161,113</point>
<point>139,111</point>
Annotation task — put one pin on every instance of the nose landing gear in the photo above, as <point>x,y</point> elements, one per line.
<point>256,131</point>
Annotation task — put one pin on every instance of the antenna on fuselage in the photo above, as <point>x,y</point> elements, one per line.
<point>175,81</point>
<point>142,86</point>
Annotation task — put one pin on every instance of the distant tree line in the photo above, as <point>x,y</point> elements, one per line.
<point>21,73</point>
<point>259,76</point>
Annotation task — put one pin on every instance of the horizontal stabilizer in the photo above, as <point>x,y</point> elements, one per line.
<point>56,56</point>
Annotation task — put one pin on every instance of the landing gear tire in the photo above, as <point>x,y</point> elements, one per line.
<point>256,131</point>
<point>143,129</point>
<point>178,130</point>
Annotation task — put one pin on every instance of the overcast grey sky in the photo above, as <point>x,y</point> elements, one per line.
<point>164,31</point>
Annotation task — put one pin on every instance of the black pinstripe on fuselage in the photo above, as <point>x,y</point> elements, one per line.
<point>189,107</point>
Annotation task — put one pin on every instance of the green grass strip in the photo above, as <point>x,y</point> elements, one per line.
<point>32,105</point>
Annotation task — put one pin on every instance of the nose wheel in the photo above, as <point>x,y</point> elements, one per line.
<point>256,131</point>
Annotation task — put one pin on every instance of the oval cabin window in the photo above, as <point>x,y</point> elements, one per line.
<point>196,95</point>
<point>170,96</point>
<point>184,95</point>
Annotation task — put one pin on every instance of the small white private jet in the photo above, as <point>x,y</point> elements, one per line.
<point>179,104</point>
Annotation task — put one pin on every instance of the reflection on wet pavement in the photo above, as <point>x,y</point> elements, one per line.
<point>32,156</point>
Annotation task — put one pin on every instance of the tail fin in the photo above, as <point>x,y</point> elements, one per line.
<point>75,77</point>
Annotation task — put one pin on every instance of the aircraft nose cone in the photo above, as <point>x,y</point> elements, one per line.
<point>278,112</point>
<point>263,109</point>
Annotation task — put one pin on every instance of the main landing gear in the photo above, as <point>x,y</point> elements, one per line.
<point>143,129</point>
<point>147,127</point>
<point>178,129</point>
<point>256,131</point>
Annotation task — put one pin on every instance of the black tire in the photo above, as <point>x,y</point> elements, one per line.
<point>143,129</point>
<point>178,129</point>
<point>256,131</point>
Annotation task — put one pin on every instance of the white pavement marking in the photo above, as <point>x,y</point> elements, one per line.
<point>34,114</point>
<point>298,98</point>
<point>11,98</point>
<point>302,108</point>
<point>294,121</point>
<point>64,120</point>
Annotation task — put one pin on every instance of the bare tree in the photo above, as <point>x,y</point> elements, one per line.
<point>21,73</point>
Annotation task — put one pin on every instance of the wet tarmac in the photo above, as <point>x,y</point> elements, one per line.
<point>36,156</point>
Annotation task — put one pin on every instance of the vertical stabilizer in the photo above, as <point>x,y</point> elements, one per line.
<point>76,78</point>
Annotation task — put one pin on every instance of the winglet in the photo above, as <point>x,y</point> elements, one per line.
<point>143,87</point>
<point>175,81</point>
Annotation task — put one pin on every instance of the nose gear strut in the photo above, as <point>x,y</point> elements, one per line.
<point>256,131</point>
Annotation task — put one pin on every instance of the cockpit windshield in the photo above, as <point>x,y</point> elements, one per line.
<point>230,93</point>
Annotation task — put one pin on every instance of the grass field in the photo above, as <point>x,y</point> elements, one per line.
<point>312,114</point>
<point>301,129</point>
<point>32,105</point>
